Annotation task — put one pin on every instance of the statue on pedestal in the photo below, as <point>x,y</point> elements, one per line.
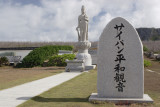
<point>82,27</point>
<point>83,44</point>
<point>83,61</point>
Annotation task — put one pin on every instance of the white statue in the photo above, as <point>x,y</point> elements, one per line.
<point>82,27</point>
<point>83,58</point>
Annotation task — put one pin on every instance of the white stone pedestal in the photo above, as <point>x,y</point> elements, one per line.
<point>83,54</point>
<point>145,99</point>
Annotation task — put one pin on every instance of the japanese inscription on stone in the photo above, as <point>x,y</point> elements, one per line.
<point>120,58</point>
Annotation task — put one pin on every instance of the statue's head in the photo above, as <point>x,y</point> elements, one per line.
<point>83,9</point>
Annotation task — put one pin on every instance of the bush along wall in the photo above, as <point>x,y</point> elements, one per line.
<point>38,55</point>
<point>3,61</point>
<point>59,60</point>
<point>145,49</point>
<point>147,63</point>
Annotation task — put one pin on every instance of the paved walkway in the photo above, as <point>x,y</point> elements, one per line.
<point>14,96</point>
<point>152,71</point>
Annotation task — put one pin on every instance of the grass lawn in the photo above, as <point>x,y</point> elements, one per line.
<point>10,76</point>
<point>75,93</point>
<point>155,65</point>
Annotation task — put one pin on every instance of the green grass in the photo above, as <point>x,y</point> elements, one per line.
<point>10,77</point>
<point>75,93</point>
<point>147,63</point>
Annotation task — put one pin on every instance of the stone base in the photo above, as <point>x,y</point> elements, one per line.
<point>90,67</point>
<point>145,99</point>
<point>75,65</point>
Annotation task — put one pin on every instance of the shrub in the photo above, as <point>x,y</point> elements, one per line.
<point>59,60</point>
<point>145,49</point>
<point>38,55</point>
<point>3,61</point>
<point>147,63</point>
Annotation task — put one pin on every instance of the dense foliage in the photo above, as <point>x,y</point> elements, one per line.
<point>149,33</point>
<point>59,60</point>
<point>38,55</point>
<point>3,61</point>
<point>145,49</point>
<point>147,63</point>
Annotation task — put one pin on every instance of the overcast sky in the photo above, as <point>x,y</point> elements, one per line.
<point>56,20</point>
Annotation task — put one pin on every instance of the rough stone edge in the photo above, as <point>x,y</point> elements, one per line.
<point>145,99</point>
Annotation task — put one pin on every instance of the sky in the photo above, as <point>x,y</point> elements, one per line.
<point>56,20</point>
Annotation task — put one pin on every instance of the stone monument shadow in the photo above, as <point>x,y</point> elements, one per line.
<point>43,99</point>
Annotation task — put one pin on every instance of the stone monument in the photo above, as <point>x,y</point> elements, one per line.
<point>83,44</point>
<point>120,65</point>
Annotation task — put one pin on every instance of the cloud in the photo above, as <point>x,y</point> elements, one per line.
<point>56,20</point>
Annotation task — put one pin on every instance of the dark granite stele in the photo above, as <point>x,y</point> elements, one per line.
<point>145,99</point>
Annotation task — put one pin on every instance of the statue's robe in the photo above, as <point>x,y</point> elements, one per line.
<point>83,25</point>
